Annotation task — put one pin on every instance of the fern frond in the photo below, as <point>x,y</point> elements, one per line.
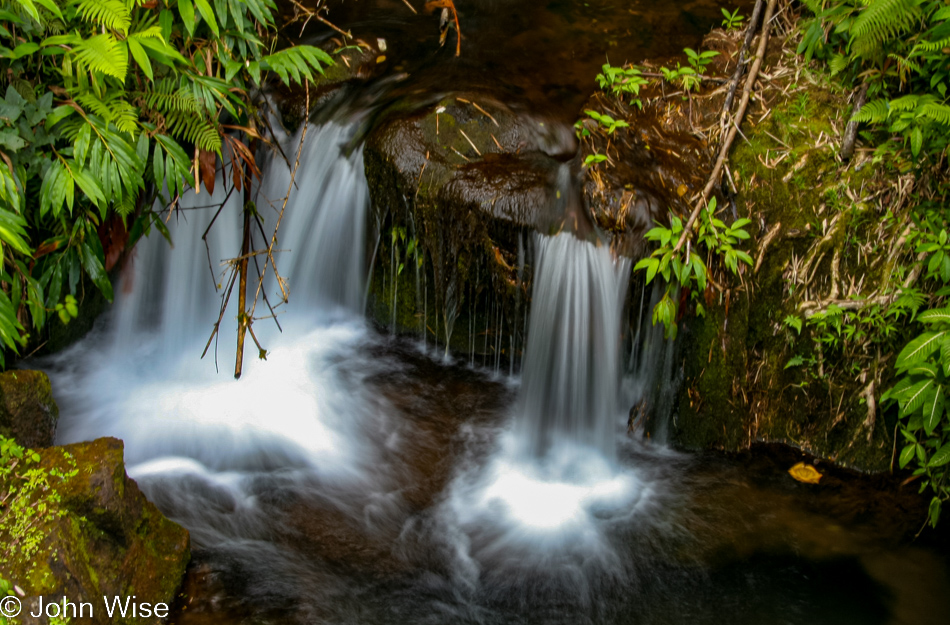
<point>838,64</point>
<point>113,110</point>
<point>104,55</point>
<point>880,21</point>
<point>934,111</point>
<point>296,64</point>
<point>874,112</point>
<point>905,64</point>
<point>113,14</point>
<point>930,46</point>
<point>905,103</point>
<point>167,97</point>
<point>195,130</point>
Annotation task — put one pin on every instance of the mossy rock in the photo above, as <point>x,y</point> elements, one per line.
<point>28,413</point>
<point>739,390</point>
<point>85,531</point>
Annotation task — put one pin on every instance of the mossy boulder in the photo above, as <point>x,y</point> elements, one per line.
<point>78,527</point>
<point>28,413</point>
<point>761,366</point>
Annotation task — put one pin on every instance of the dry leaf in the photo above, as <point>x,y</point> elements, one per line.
<point>208,161</point>
<point>805,473</point>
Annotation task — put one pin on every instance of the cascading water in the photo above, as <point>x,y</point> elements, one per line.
<point>178,416</point>
<point>571,369</point>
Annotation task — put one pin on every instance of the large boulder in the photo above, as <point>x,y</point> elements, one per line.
<point>75,526</point>
<point>28,413</point>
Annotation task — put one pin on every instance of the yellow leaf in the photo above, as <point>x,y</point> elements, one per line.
<point>805,473</point>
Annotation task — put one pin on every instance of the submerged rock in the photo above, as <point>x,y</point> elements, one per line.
<point>79,528</point>
<point>28,413</point>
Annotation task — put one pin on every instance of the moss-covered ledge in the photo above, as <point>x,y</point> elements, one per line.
<point>74,525</point>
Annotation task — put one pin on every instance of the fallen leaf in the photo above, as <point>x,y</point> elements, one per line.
<point>805,473</point>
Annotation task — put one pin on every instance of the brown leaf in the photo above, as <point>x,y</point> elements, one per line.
<point>114,237</point>
<point>208,161</point>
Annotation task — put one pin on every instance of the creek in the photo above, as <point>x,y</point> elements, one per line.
<point>360,477</point>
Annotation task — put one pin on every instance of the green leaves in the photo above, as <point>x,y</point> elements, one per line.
<point>112,14</point>
<point>92,257</point>
<point>607,121</point>
<point>919,349</point>
<point>620,80</point>
<point>103,54</point>
<point>187,11</point>
<point>686,266</point>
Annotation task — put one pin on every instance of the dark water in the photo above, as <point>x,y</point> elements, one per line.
<point>707,538</point>
<point>543,55</point>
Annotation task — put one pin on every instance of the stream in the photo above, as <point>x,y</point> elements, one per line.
<point>355,477</point>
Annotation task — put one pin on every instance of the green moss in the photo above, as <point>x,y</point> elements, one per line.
<point>90,533</point>
<point>740,390</point>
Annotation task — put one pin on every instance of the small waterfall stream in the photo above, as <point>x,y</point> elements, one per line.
<point>571,372</point>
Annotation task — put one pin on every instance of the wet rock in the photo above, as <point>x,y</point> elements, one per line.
<point>458,188</point>
<point>28,413</point>
<point>81,529</point>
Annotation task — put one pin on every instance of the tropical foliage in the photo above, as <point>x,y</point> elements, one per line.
<point>688,268</point>
<point>897,48</point>
<point>108,107</point>
<point>898,51</point>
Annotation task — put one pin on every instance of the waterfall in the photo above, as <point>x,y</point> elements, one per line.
<point>150,387</point>
<point>171,292</point>
<point>572,365</point>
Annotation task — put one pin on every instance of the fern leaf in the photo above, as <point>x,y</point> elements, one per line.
<point>934,111</point>
<point>905,103</point>
<point>103,54</point>
<point>874,112</point>
<point>880,21</point>
<point>195,130</point>
<point>297,63</point>
<point>838,64</point>
<point>113,14</point>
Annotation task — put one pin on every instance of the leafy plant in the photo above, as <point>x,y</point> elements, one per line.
<point>622,80</point>
<point>897,49</point>
<point>924,369</point>
<point>109,106</point>
<point>700,60</point>
<point>689,77</point>
<point>593,159</point>
<point>732,20</point>
<point>685,268</point>
<point>608,122</point>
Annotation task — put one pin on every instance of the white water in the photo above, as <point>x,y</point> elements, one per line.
<point>571,372</point>
<point>142,379</point>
